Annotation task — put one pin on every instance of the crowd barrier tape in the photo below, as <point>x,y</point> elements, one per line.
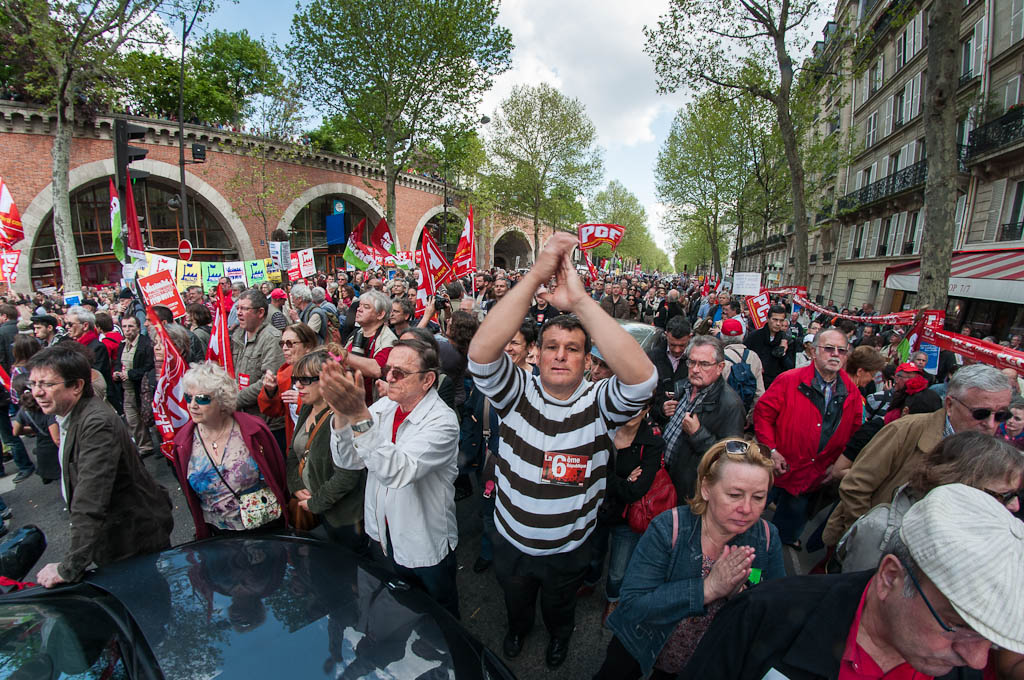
<point>905,318</point>
<point>974,349</point>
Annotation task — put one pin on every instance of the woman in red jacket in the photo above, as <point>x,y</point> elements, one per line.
<point>277,397</point>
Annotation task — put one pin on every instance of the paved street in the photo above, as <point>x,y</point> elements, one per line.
<point>481,602</point>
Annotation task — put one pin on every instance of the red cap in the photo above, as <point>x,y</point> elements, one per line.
<point>732,328</point>
<point>908,367</point>
<point>278,294</point>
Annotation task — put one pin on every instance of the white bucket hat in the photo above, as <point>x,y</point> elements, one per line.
<point>971,547</point>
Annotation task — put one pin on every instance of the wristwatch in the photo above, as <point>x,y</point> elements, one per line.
<point>362,425</point>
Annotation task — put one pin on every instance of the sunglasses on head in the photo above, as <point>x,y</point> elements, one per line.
<point>984,413</point>
<point>201,399</point>
<point>305,380</point>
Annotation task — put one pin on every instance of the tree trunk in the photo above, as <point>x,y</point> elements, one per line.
<point>793,160</point>
<point>940,140</point>
<point>391,174</point>
<point>63,234</point>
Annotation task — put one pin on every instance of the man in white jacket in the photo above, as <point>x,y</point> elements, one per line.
<point>408,441</point>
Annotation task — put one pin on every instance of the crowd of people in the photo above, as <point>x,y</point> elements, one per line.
<point>679,472</point>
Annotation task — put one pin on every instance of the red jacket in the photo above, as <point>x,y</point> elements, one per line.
<point>261,445</point>
<point>786,419</point>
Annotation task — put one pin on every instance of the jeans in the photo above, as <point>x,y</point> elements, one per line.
<point>790,514</point>
<point>623,542</point>
<point>15,446</point>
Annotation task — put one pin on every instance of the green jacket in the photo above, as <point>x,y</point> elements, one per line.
<point>337,493</point>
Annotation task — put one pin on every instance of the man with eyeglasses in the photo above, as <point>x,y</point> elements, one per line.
<point>408,442</point>
<point>978,398</point>
<point>116,508</point>
<point>703,410</point>
<point>948,590</point>
<point>256,349</point>
<point>806,417</point>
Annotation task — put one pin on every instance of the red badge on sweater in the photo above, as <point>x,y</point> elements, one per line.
<point>564,469</point>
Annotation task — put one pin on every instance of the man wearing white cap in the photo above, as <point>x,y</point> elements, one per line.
<point>949,587</point>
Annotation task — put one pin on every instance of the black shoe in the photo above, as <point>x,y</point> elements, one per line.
<point>514,644</point>
<point>558,649</point>
<point>481,565</point>
<point>23,475</point>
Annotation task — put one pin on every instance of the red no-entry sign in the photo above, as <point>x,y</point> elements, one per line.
<point>185,249</point>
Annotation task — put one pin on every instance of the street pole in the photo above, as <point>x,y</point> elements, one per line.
<point>181,127</point>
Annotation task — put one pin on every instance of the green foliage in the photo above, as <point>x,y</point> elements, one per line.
<point>544,147</point>
<point>618,205</point>
<point>692,249</point>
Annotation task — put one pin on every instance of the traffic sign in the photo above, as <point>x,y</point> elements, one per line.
<point>185,249</point>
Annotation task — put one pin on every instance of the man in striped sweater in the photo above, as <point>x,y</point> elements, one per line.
<point>556,433</point>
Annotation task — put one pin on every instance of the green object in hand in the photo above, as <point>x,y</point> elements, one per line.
<point>755,577</point>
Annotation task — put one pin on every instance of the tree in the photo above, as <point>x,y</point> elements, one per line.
<point>74,44</point>
<point>542,140</point>
<point>696,44</point>
<point>943,158</point>
<point>692,249</point>
<point>394,74</point>
<point>618,205</point>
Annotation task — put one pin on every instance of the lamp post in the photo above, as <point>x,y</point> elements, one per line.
<point>186,28</point>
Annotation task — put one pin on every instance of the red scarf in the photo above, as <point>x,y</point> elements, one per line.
<point>87,337</point>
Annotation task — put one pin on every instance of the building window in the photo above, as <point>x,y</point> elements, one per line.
<point>910,244</point>
<point>873,294</point>
<point>901,50</point>
<point>871,129</point>
<point>875,77</point>
<point>967,57</point>
<point>888,227</point>
<point>1016,20</point>
<point>849,292</point>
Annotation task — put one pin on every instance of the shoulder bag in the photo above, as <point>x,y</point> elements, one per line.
<point>257,507</point>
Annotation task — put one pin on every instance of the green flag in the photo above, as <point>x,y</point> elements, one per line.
<point>116,233</point>
<point>356,258</point>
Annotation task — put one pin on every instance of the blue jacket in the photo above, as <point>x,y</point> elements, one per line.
<point>664,585</point>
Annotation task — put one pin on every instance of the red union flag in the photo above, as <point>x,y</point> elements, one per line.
<point>169,410</point>
<point>11,230</point>
<point>219,351</point>
<point>593,235</point>
<point>590,267</point>
<point>381,239</point>
<point>9,266</point>
<point>464,261</point>
<point>434,261</point>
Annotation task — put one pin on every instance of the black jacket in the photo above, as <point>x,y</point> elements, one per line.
<point>721,415</point>
<point>797,626</point>
<point>666,311</point>
<point>666,380</point>
<point>645,452</point>
<point>8,331</point>
<point>761,343</point>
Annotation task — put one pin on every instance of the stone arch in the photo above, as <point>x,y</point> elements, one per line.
<point>436,210</point>
<point>42,206</point>
<point>359,196</point>
<point>516,242</point>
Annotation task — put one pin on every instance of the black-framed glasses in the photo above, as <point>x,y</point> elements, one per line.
<point>1004,497</point>
<point>200,399</point>
<point>702,364</point>
<point>399,374</point>
<point>305,380</point>
<point>917,586</point>
<point>983,413</point>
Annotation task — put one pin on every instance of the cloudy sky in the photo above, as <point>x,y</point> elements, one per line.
<point>592,51</point>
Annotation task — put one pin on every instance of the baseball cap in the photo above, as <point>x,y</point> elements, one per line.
<point>46,319</point>
<point>809,338</point>
<point>908,367</point>
<point>125,294</point>
<point>971,547</point>
<point>596,353</point>
<point>731,328</point>
<point>278,294</point>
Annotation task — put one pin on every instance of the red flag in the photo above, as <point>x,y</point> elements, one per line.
<point>11,230</point>
<point>590,267</point>
<point>434,261</point>
<point>593,235</point>
<point>134,234</point>
<point>707,285</point>
<point>464,261</point>
<point>5,378</point>
<point>219,351</point>
<point>169,409</point>
<point>382,241</point>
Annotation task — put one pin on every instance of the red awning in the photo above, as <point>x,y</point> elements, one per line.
<point>981,274</point>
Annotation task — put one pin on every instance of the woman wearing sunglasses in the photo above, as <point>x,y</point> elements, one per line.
<point>334,495</point>
<point>985,462</point>
<point>278,396</point>
<point>690,561</point>
<point>222,456</point>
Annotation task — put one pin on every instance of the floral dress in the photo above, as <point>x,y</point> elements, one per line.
<point>683,641</point>
<point>219,505</point>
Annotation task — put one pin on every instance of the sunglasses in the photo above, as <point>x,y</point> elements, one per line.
<point>832,349</point>
<point>398,373</point>
<point>305,380</point>
<point>288,343</point>
<point>984,413</point>
<point>1005,498</point>
<point>201,399</point>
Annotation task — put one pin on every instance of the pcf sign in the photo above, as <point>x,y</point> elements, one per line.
<point>593,235</point>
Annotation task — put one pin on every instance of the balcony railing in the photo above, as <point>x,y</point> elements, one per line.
<point>1003,131</point>
<point>882,249</point>
<point>1011,232</point>
<point>903,180</point>
<point>966,78</point>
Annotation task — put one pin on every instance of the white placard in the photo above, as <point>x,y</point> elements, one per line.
<point>746,283</point>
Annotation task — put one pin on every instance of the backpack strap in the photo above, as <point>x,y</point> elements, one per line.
<point>675,526</point>
<point>746,353</point>
<point>767,534</point>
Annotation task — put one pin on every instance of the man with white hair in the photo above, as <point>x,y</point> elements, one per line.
<point>371,342</point>
<point>949,589</point>
<point>305,309</point>
<point>81,326</point>
<point>978,398</point>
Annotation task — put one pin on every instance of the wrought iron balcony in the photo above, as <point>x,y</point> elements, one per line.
<point>908,178</point>
<point>1011,232</point>
<point>1005,130</point>
<point>882,249</point>
<point>966,78</point>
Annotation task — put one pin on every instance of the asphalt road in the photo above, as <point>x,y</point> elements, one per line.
<point>481,602</point>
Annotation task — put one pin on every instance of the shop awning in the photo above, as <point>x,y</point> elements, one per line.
<point>980,274</point>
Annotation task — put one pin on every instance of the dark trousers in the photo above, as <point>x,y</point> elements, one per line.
<point>281,437</point>
<point>437,581</point>
<point>351,536</point>
<point>555,577</point>
<point>790,516</point>
<point>619,664</point>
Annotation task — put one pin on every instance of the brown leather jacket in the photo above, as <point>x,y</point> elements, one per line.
<point>117,509</point>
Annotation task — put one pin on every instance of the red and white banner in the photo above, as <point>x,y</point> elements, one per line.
<point>758,306</point>
<point>593,235</point>
<point>307,267</point>
<point>219,351</point>
<point>434,261</point>
<point>786,290</point>
<point>11,230</point>
<point>464,261</point>
<point>294,273</point>
<point>975,349</point>
<point>169,409</point>
<point>905,318</point>
<point>162,289</point>
<point>9,266</point>
<point>593,275</point>
<point>382,241</point>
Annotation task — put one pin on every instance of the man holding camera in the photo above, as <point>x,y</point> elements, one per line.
<point>771,344</point>
<point>372,341</point>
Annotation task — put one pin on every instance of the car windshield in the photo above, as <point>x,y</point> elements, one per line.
<point>59,639</point>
